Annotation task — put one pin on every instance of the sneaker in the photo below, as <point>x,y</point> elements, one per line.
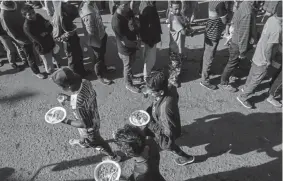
<point>228,88</point>
<point>16,67</point>
<point>245,103</point>
<point>133,89</point>
<point>40,76</point>
<point>105,81</point>
<point>115,158</point>
<point>208,85</point>
<point>73,142</point>
<point>274,102</point>
<point>184,160</point>
<point>111,69</point>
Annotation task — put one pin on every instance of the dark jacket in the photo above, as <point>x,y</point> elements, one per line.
<point>150,28</point>
<point>35,29</point>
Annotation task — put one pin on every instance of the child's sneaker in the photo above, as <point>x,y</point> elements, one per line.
<point>77,142</point>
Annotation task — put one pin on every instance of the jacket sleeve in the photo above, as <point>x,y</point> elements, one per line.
<point>244,33</point>
<point>32,37</point>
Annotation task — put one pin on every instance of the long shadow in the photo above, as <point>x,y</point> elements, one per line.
<point>20,95</point>
<point>235,133</point>
<point>6,172</point>
<point>271,171</point>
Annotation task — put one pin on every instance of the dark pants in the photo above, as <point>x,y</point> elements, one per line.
<point>74,53</point>
<point>100,66</point>
<point>232,63</point>
<point>30,56</point>
<point>175,65</point>
<point>9,47</point>
<point>210,48</point>
<point>256,75</point>
<point>128,61</point>
<point>276,83</point>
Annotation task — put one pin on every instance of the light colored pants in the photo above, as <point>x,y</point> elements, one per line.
<point>48,61</point>
<point>149,56</point>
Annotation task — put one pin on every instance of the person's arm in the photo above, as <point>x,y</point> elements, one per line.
<point>32,37</point>
<point>74,123</point>
<point>244,34</point>
<point>90,24</point>
<point>81,115</point>
<point>273,40</point>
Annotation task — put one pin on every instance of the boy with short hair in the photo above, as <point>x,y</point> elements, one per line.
<point>39,31</point>
<point>165,122</point>
<point>178,30</point>
<point>84,104</point>
<point>145,152</point>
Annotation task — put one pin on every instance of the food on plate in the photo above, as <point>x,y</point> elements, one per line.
<point>107,172</point>
<point>56,115</point>
<point>139,117</point>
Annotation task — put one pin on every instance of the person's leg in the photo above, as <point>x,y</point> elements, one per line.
<point>256,75</point>
<point>232,64</point>
<point>210,48</point>
<point>29,51</point>
<point>149,60</point>
<point>48,62</point>
<point>11,51</point>
<point>175,63</point>
<point>276,85</point>
<point>21,54</point>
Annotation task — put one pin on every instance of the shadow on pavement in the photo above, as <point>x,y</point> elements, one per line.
<point>6,172</point>
<point>271,171</point>
<point>235,133</point>
<point>20,95</point>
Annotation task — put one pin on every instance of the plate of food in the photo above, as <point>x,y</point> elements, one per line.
<point>55,115</point>
<point>107,170</point>
<point>139,118</point>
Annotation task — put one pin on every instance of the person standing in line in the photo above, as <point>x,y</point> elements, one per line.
<point>126,32</point>
<point>218,12</point>
<point>12,22</point>
<point>243,39</point>
<point>150,33</point>
<point>145,152</point>
<point>97,38</point>
<point>270,40</point>
<point>10,49</point>
<point>64,31</point>
<point>165,124</point>
<point>178,31</point>
<point>84,105</point>
<point>39,31</point>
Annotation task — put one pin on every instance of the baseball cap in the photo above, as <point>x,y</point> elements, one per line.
<point>63,77</point>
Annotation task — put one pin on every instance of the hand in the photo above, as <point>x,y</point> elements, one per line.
<point>62,98</point>
<point>43,34</point>
<point>242,56</point>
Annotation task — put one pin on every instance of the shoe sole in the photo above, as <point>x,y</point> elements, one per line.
<point>243,103</point>
<point>132,90</point>
<point>205,86</point>
<point>278,106</point>
<point>185,163</point>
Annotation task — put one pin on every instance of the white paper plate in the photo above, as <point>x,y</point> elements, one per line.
<point>135,123</point>
<point>97,168</point>
<point>49,119</point>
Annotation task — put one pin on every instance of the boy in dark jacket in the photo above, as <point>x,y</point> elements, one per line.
<point>39,31</point>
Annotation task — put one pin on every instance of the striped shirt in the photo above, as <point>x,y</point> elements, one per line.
<point>215,25</point>
<point>244,23</point>
<point>86,108</point>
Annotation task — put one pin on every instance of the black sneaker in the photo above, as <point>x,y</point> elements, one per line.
<point>208,85</point>
<point>184,160</point>
<point>16,67</point>
<point>133,89</point>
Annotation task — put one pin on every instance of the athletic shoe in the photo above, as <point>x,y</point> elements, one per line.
<point>184,160</point>
<point>208,85</point>
<point>274,102</point>
<point>245,103</point>
<point>228,88</point>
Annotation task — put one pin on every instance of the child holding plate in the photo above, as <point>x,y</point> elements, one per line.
<point>84,104</point>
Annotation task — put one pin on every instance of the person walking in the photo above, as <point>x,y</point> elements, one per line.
<point>150,33</point>
<point>216,23</point>
<point>126,32</point>
<point>270,40</point>
<point>97,38</point>
<point>243,39</point>
<point>84,105</point>
<point>12,22</point>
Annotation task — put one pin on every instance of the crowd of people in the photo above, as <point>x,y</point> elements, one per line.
<point>27,35</point>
